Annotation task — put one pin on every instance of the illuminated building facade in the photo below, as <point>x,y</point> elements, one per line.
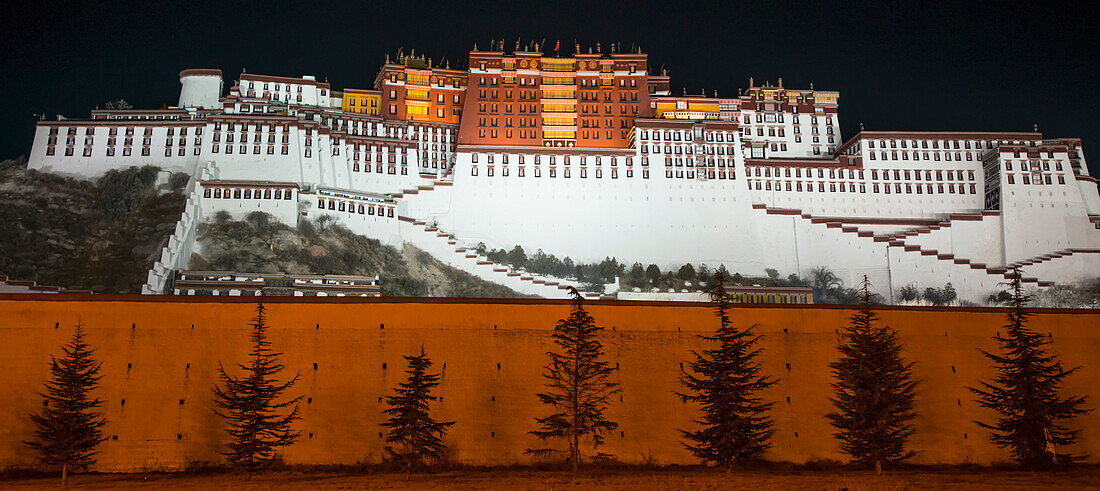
<point>589,155</point>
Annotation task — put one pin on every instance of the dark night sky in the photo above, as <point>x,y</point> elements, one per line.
<point>989,66</point>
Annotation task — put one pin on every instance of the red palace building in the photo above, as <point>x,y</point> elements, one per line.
<point>528,99</point>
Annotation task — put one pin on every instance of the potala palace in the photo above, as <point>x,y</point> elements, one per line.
<point>590,155</point>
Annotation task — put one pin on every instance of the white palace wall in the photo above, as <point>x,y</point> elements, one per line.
<point>901,208</point>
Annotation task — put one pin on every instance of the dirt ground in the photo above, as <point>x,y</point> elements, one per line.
<point>516,480</point>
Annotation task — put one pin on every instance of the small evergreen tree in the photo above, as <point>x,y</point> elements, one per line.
<point>908,293</point>
<point>418,437</point>
<point>1024,393</point>
<point>874,390</point>
<point>725,381</point>
<point>686,272</point>
<point>653,273</point>
<point>251,406</point>
<point>579,385</point>
<point>68,429</point>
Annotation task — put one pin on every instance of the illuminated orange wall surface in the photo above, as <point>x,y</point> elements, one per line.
<point>160,355</point>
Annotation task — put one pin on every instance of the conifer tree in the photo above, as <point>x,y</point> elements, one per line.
<point>578,385</point>
<point>725,381</point>
<point>258,422</point>
<point>68,429</point>
<point>874,390</point>
<point>418,437</point>
<point>1024,393</point>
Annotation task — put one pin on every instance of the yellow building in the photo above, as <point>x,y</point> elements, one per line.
<point>694,107</point>
<point>361,101</point>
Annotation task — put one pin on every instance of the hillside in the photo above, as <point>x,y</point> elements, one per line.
<point>260,244</point>
<point>101,236</point>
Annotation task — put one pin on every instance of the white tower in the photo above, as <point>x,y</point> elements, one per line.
<point>202,87</point>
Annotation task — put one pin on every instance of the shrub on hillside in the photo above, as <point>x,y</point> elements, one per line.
<point>122,191</point>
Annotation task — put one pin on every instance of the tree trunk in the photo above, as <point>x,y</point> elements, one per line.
<point>576,457</point>
<point>878,467</point>
<point>64,474</point>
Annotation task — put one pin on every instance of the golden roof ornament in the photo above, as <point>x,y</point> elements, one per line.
<point>781,82</point>
<point>750,82</point>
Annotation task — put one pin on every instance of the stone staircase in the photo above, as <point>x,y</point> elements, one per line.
<point>1053,255</point>
<point>898,240</point>
<point>446,248</point>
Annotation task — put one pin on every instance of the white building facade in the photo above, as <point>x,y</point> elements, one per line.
<point>770,185</point>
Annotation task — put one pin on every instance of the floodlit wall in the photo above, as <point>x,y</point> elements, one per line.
<point>160,356</point>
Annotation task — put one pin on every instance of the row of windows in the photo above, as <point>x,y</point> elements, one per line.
<point>1034,165</point>
<point>1038,179</point>
<point>553,159</point>
<point>126,151</point>
<point>377,157</point>
<point>252,85</point>
<point>689,149</point>
<point>947,144</point>
<point>231,126</point>
<point>778,118</point>
<point>440,81</point>
<point>898,188</point>
<point>562,80</point>
<point>350,207</point>
<point>113,131</point>
<point>898,174</point>
<point>553,172</point>
<point>934,156</point>
<point>569,134</point>
<point>229,138</point>
<point>246,193</point>
<point>274,96</point>
<point>256,149</point>
<point>379,169</point>
<point>676,135</point>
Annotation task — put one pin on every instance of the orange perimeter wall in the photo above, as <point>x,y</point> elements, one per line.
<point>160,355</point>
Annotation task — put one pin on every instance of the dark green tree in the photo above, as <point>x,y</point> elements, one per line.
<point>702,274</point>
<point>725,381</point>
<point>68,429</point>
<point>909,293</point>
<point>258,422</point>
<point>567,268</point>
<point>517,258</point>
<point>686,272</point>
<point>653,273</point>
<point>1024,393</point>
<point>949,294</point>
<point>637,274</point>
<point>874,390</point>
<point>417,439</point>
<point>578,385</point>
